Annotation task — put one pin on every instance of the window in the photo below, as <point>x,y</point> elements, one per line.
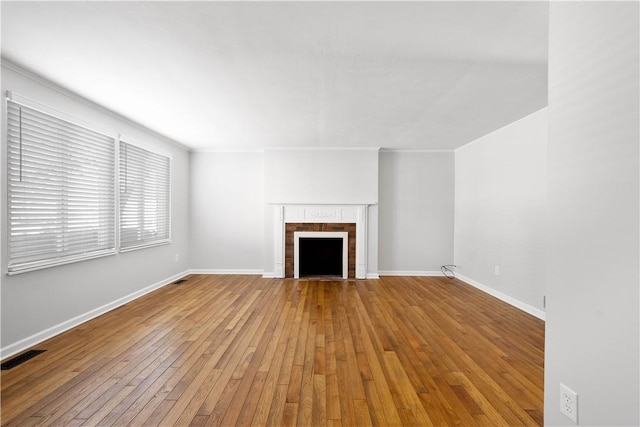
<point>144,198</point>
<point>61,190</point>
<point>63,203</point>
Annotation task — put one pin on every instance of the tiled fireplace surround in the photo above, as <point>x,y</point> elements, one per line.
<point>320,218</point>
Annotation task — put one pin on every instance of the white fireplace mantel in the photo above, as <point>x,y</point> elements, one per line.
<point>320,213</point>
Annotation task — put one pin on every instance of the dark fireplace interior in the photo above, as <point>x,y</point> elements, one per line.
<point>319,256</point>
<point>292,227</point>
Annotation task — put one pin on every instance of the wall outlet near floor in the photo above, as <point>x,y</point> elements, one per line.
<point>496,270</point>
<point>569,403</point>
<point>177,257</point>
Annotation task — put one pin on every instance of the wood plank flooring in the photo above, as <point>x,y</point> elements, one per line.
<point>243,350</point>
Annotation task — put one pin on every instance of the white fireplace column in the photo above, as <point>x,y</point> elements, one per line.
<point>320,214</point>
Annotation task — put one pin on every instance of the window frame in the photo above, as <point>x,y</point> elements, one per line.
<point>56,258</point>
<point>115,209</point>
<point>153,242</point>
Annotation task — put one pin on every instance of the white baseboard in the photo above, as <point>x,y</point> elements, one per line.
<point>39,337</point>
<point>540,314</point>
<point>272,275</point>
<point>264,274</point>
<point>225,271</point>
<point>409,273</point>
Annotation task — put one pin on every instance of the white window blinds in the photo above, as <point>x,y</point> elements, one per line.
<point>145,206</point>
<point>61,190</point>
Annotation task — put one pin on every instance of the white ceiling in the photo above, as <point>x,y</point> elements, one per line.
<point>246,75</point>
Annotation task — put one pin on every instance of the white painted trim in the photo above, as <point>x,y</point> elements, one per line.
<point>322,148</point>
<point>51,332</point>
<point>409,273</point>
<point>271,275</point>
<point>416,150</point>
<point>540,314</point>
<point>228,150</point>
<point>305,204</point>
<point>362,247</point>
<point>312,213</point>
<point>344,235</point>
<point>226,271</point>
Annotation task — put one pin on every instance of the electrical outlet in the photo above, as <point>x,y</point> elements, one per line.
<point>569,403</point>
<point>496,270</point>
<point>177,258</point>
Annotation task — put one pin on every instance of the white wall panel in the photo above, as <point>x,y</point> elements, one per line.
<point>321,176</point>
<point>415,211</point>
<point>593,325</point>
<point>227,211</point>
<point>500,218</point>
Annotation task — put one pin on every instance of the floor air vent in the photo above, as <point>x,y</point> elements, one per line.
<point>20,359</point>
<point>178,282</point>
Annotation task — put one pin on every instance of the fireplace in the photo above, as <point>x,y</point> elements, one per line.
<point>344,231</point>
<point>348,219</point>
<point>320,254</point>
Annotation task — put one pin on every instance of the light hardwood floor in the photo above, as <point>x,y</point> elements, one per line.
<point>242,350</point>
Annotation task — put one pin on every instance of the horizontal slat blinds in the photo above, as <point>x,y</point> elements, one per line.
<point>61,190</point>
<point>145,217</point>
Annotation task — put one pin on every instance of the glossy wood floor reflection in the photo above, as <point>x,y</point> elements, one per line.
<point>242,350</point>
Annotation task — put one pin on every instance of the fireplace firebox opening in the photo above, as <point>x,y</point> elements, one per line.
<point>321,254</point>
<point>320,257</point>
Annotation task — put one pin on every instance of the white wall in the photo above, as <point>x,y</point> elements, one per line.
<point>231,225</point>
<point>593,325</point>
<point>227,212</point>
<point>37,304</point>
<point>500,198</point>
<point>321,176</point>
<point>415,211</point>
